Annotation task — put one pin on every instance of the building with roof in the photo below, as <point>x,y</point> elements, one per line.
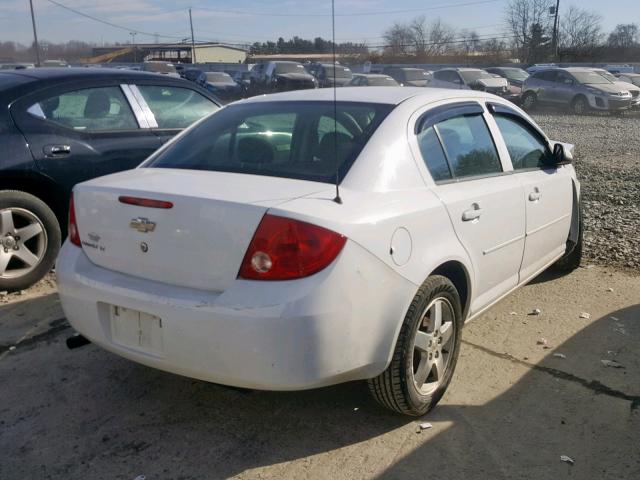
<point>169,52</point>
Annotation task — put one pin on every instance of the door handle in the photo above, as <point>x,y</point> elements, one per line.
<point>57,150</point>
<point>472,214</point>
<point>535,195</point>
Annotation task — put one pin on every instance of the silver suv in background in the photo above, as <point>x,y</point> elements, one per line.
<point>580,89</point>
<point>472,79</point>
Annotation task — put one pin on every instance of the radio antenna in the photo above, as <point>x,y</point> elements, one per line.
<point>335,104</point>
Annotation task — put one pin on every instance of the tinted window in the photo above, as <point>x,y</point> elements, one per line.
<point>382,82</point>
<point>469,146</point>
<point>280,139</point>
<point>433,155</point>
<point>526,149</point>
<point>176,107</point>
<point>93,109</point>
<point>548,76</point>
<point>441,75</point>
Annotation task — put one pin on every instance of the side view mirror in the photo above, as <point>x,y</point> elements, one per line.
<point>562,153</point>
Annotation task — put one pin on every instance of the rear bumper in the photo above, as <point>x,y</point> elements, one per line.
<point>332,327</point>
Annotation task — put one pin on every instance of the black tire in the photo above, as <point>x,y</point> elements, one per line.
<point>580,105</point>
<point>32,205</point>
<point>529,101</point>
<point>573,257</point>
<point>395,388</point>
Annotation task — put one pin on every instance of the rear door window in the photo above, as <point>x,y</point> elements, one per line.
<point>176,107</point>
<point>90,109</point>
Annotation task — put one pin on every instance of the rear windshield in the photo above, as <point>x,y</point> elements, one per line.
<point>515,73</point>
<point>301,140</point>
<point>341,72</point>
<point>382,82</point>
<point>415,75</point>
<point>219,77</point>
<point>474,75</point>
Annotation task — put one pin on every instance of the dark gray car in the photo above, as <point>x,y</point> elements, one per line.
<point>580,89</point>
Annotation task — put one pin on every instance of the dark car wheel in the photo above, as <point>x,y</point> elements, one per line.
<point>29,240</point>
<point>580,106</point>
<point>426,352</point>
<point>529,101</point>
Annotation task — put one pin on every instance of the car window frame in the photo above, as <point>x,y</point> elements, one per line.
<point>500,109</point>
<point>433,116</point>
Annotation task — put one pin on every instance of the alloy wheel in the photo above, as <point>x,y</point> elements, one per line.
<point>434,345</point>
<point>23,242</point>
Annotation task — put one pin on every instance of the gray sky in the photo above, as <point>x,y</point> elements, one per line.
<point>247,21</point>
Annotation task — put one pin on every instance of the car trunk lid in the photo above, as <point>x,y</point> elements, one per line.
<point>199,242</point>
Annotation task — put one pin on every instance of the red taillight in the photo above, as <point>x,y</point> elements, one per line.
<point>285,249</point>
<point>145,202</point>
<point>74,234</point>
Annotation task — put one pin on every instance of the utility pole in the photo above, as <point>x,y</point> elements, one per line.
<point>193,42</point>
<point>133,46</point>
<point>35,34</point>
<point>555,30</point>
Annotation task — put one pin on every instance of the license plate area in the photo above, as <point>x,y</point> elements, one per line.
<point>136,330</point>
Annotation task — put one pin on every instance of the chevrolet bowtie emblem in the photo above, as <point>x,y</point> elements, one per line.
<point>143,225</point>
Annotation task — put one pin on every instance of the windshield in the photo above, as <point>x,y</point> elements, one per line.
<point>341,72</point>
<point>159,67</point>
<point>592,78</point>
<point>471,76</point>
<point>515,74</point>
<point>289,68</point>
<point>635,81</point>
<point>410,75</point>
<point>608,76</point>
<point>382,82</point>
<point>219,77</point>
<point>279,139</point>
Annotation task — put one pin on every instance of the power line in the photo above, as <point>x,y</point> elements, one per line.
<point>359,14</point>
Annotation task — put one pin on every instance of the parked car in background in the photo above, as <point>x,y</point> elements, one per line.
<point>273,77</point>
<point>634,90</point>
<point>473,79</point>
<point>615,69</point>
<point>224,258</point>
<point>55,64</point>
<point>409,77</point>
<point>325,72</point>
<point>580,89</point>
<point>195,75</point>
<point>223,86</point>
<point>372,80</point>
<point>633,78</point>
<point>164,68</point>
<point>242,78</point>
<point>540,66</point>
<point>59,127</point>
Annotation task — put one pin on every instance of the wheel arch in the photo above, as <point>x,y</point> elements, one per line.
<point>39,186</point>
<point>458,274</point>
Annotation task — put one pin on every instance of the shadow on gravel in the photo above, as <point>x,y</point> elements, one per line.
<point>574,406</point>
<point>90,414</point>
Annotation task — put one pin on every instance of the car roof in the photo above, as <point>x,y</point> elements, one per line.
<point>63,74</point>
<point>372,75</point>
<point>380,95</point>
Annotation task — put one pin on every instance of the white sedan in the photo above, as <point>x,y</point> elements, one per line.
<point>230,256</point>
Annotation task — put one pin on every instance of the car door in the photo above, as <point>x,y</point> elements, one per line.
<point>172,108</point>
<point>83,131</point>
<point>563,89</point>
<point>547,190</point>
<point>485,203</point>
<point>545,85</point>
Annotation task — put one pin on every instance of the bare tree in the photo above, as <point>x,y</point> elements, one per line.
<point>529,22</point>
<point>580,31</point>
<point>399,39</point>
<point>441,37</point>
<point>624,36</point>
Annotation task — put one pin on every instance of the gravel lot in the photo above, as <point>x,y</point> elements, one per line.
<point>608,166</point>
